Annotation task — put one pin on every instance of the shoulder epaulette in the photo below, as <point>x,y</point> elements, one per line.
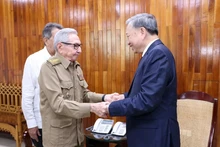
<point>54,61</point>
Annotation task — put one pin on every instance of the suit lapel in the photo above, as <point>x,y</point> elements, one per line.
<point>134,76</point>
<point>142,60</point>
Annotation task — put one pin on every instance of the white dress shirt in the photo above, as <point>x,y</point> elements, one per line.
<point>31,89</point>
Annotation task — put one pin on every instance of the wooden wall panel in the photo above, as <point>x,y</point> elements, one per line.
<point>190,28</point>
<point>216,5</point>
<point>198,43</point>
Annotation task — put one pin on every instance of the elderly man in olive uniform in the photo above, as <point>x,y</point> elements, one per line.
<point>65,99</point>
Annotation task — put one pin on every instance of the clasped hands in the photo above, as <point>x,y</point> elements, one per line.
<point>101,108</point>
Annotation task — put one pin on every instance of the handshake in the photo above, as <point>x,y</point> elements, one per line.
<point>101,108</point>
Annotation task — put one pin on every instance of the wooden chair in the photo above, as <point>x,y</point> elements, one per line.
<point>11,116</point>
<point>197,117</point>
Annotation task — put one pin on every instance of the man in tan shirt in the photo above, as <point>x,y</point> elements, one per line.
<point>64,97</point>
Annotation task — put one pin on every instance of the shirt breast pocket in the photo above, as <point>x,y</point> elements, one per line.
<point>67,89</point>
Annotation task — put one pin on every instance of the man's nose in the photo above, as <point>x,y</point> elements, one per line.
<point>79,49</point>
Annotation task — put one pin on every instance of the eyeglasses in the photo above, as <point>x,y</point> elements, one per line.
<point>75,46</point>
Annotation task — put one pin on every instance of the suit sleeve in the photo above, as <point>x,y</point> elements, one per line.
<point>153,84</point>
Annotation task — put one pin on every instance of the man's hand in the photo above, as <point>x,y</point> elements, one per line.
<point>99,109</point>
<point>113,97</point>
<point>34,133</point>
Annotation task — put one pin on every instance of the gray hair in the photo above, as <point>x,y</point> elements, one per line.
<point>148,21</point>
<point>63,36</point>
<point>47,31</point>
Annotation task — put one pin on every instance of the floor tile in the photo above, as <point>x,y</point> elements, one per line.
<point>6,140</point>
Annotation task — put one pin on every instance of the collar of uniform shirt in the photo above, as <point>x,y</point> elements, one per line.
<point>145,50</point>
<point>63,60</point>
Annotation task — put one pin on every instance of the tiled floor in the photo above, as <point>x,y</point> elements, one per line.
<point>6,140</point>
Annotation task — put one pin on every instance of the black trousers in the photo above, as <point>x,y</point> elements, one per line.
<point>39,143</point>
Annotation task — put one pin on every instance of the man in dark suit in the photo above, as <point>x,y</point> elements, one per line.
<point>150,103</point>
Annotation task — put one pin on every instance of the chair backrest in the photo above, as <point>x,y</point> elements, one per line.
<point>10,98</point>
<point>197,116</point>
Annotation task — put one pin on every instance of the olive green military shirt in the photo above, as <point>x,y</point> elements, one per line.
<point>64,101</point>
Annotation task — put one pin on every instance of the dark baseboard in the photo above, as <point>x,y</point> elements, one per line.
<point>5,135</point>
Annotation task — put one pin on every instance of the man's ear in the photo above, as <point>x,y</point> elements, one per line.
<point>45,40</point>
<point>59,47</point>
<point>143,30</point>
